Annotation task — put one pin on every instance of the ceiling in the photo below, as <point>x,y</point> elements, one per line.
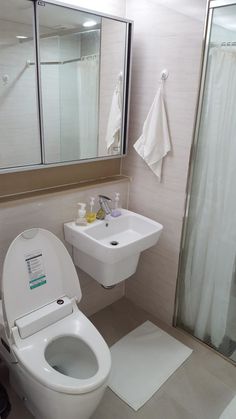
<point>192,8</point>
<point>226,17</point>
<point>56,17</point>
<point>51,16</point>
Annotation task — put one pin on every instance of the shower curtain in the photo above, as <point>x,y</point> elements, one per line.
<point>88,82</point>
<point>209,261</point>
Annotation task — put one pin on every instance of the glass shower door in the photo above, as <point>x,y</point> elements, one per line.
<point>207,274</point>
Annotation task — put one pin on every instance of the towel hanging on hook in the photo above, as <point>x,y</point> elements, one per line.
<point>112,138</point>
<point>154,142</point>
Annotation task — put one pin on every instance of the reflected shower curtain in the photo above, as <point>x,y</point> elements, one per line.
<point>88,82</point>
<point>209,260</point>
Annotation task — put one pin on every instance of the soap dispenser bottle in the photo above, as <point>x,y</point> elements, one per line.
<point>91,216</point>
<point>116,212</point>
<point>81,219</point>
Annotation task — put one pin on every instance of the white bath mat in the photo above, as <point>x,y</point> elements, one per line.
<point>142,361</point>
<point>230,411</point>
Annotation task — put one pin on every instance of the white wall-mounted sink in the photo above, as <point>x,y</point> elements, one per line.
<point>109,250</point>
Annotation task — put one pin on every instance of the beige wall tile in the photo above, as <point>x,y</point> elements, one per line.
<point>167,34</point>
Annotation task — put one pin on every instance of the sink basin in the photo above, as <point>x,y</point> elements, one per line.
<point>109,250</point>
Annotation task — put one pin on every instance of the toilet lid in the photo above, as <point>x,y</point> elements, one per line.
<point>37,270</point>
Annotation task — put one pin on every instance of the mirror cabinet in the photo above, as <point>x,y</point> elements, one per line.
<point>64,85</point>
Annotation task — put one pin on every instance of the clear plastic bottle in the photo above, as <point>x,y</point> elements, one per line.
<point>81,218</point>
<point>91,215</point>
<point>116,212</point>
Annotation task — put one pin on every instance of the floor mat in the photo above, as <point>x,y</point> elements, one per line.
<point>230,411</point>
<point>142,361</point>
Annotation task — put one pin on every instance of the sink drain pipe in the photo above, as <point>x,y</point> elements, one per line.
<point>108,287</point>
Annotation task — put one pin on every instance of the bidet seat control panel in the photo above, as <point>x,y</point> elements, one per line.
<point>44,316</point>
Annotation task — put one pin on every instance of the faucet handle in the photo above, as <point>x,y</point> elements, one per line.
<point>103,201</point>
<point>104,197</point>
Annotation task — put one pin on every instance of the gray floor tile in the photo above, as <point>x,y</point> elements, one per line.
<point>118,319</point>
<point>112,407</point>
<point>18,410</point>
<point>220,368</point>
<point>193,387</point>
<point>168,408</point>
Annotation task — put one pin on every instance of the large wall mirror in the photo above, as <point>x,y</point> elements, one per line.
<point>64,84</point>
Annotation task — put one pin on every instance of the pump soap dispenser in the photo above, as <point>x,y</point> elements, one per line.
<point>116,212</point>
<point>81,219</point>
<point>91,216</point>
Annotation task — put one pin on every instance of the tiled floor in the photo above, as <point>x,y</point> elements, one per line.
<point>200,389</point>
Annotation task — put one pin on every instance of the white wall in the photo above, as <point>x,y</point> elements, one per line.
<point>164,37</point>
<point>19,141</point>
<point>114,7</point>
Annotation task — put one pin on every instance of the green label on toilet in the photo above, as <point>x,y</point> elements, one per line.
<point>35,268</point>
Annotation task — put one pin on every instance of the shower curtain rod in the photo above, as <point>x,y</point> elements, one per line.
<point>224,44</point>
<point>228,44</point>
<point>29,63</point>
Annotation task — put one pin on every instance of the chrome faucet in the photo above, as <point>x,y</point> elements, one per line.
<point>105,208</point>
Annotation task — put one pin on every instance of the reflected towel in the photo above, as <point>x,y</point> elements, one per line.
<point>154,143</point>
<point>115,117</point>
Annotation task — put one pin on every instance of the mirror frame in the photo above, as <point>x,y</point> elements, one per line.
<point>126,92</point>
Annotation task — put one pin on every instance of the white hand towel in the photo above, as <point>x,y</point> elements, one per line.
<point>115,118</point>
<point>154,143</point>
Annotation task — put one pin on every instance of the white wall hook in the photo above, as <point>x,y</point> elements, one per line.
<point>5,79</point>
<point>164,74</point>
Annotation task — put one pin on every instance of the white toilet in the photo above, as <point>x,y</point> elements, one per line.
<point>58,362</point>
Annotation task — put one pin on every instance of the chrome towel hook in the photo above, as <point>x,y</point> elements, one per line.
<point>164,74</point>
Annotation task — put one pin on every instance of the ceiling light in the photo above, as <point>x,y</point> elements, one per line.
<point>21,37</point>
<point>89,23</point>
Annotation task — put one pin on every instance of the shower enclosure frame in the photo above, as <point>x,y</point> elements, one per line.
<point>211,5</point>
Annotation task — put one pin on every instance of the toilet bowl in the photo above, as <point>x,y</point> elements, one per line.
<point>59,363</point>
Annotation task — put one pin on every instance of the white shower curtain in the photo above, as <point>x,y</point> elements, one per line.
<point>88,77</point>
<point>211,234</point>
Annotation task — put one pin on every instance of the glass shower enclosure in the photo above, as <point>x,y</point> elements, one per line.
<point>206,303</point>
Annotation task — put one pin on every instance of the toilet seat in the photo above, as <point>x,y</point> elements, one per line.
<point>30,353</point>
<point>37,271</point>
<point>38,257</point>
<point>58,361</point>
